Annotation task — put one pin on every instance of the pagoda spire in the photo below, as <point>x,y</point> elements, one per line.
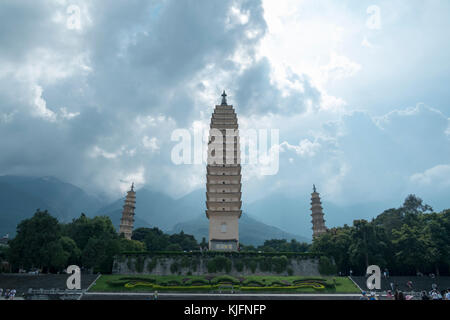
<point>317,214</point>
<point>224,98</point>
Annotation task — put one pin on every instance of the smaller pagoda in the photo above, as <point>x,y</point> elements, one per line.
<point>127,221</point>
<point>318,221</point>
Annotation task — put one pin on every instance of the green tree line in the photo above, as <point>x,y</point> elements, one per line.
<point>406,240</point>
<point>45,244</point>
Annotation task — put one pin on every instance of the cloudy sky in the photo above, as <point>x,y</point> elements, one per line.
<point>91,91</point>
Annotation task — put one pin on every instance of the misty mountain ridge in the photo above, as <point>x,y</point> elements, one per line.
<point>21,196</point>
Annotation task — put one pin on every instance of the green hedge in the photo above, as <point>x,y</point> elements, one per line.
<point>225,279</point>
<point>221,253</point>
<point>196,282</point>
<point>326,266</point>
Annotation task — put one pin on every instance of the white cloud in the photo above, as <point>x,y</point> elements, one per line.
<point>68,115</point>
<point>306,148</point>
<point>127,178</point>
<point>40,106</point>
<point>436,177</point>
<point>236,16</point>
<point>99,152</point>
<point>366,43</point>
<point>6,117</point>
<point>150,143</point>
<point>340,67</point>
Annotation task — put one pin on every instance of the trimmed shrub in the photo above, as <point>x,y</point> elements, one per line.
<point>290,271</point>
<point>197,282</point>
<point>253,283</point>
<point>130,264</point>
<point>326,267</point>
<point>185,262</point>
<point>170,283</point>
<point>225,280</point>
<point>218,264</point>
<point>139,264</point>
<point>174,267</point>
<point>152,264</point>
<point>279,264</point>
<point>239,266</point>
<point>265,264</point>
<point>135,279</point>
<point>251,264</point>
<point>211,266</point>
<point>277,283</point>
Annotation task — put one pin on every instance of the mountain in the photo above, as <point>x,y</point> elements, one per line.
<point>265,219</point>
<point>251,231</point>
<point>155,209</point>
<point>20,197</point>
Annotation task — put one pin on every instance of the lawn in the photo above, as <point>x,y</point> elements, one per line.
<point>281,284</point>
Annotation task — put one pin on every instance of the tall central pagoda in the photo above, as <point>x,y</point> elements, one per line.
<point>223,179</point>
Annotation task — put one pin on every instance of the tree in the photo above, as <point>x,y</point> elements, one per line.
<point>38,244</point>
<point>204,243</point>
<point>98,241</point>
<point>438,232</point>
<point>187,242</point>
<point>131,245</point>
<point>174,247</point>
<point>335,244</point>
<point>99,254</point>
<point>84,228</point>
<point>156,240</point>
<point>414,204</point>
<point>411,246</point>
<point>326,266</point>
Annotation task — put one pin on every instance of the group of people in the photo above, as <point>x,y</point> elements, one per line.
<point>9,294</point>
<point>435,294</point>
<point>370,296</point>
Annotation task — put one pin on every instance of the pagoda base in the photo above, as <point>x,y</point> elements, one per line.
<point>223,245</point>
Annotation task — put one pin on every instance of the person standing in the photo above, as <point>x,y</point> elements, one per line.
<point>389,295</point>
<point>13,294</point>
<point>409,284</point>
<point>447,295</point>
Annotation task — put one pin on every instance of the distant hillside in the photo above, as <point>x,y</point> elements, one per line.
<point>294,214</point>
<point>157,209</point>
<point>21,196</point>
<point>251,231</point>
<point>266,219</point>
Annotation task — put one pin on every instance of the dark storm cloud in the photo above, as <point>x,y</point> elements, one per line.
<point>257,95</point>
<point>69,99</point>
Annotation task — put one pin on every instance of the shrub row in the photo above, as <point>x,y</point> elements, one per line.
<point>220,253</point>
